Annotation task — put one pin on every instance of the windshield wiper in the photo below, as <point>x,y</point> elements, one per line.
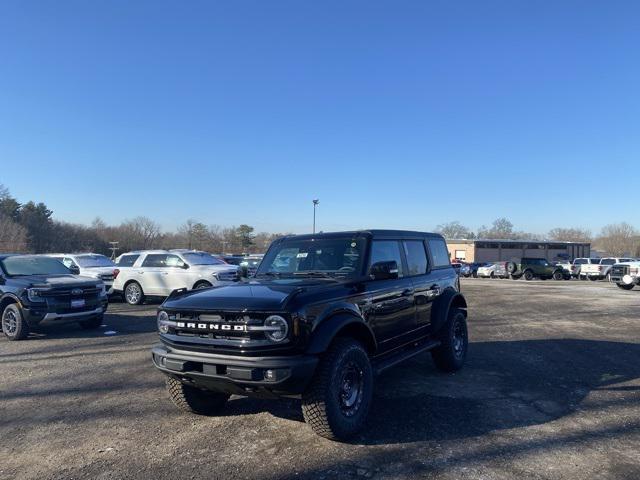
<point>314,273</point>
<point>269,274</point>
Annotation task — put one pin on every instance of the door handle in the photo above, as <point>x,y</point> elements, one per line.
<point>434,291</point>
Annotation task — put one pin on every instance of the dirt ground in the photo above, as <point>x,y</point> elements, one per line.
<point>551,390</point>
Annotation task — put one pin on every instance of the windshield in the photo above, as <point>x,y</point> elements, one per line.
<point>201,258</point>
<point>34,266</point>
<point>93,261</point>
<point>333,257</point>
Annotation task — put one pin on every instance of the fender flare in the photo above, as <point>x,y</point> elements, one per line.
<point>14,299</point>
<point>333,325</point>
<point>449,299</point>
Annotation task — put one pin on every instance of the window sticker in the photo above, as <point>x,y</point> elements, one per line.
<point>302,255</point>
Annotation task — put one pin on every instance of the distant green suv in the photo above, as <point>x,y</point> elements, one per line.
<point>530,268</point>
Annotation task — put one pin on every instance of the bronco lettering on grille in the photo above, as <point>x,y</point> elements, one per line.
<point>212,326</point>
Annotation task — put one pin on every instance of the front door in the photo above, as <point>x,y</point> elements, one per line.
<point>393,312</point>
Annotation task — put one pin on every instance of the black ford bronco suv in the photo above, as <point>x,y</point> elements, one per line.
<point>321,317</point>
<point>37,290</point>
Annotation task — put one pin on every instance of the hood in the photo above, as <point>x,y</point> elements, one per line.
<point>95,271</point>
<point>55,281</point>
<point>214,268</point>
<point>253,295</point>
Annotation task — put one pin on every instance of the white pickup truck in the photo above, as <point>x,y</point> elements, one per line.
<point>626,275</point>
<point>573,268</point>
<point>599,271</point>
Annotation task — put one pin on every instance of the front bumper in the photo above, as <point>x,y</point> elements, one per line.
<point>36,316</point>
<point>252,376</point>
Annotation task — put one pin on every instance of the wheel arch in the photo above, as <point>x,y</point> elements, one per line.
<point>341,324</point>
<point>8,299</point>
<point>449,299</point>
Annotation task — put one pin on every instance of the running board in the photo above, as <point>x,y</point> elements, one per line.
<point>394,359</point>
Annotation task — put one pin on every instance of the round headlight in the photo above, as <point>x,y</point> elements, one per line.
<point>276,328</point>
<point>163,318</point>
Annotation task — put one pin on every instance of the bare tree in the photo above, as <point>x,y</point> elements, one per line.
<point>455,230</point>
<point>13,237</point>
<point>501,228</point>
<point>618,239</point>
<point>575,234</point>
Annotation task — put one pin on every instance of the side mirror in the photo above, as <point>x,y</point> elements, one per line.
<point>384,270</point>
<point>75,270</point>
<point>243,271</point>
<point>185,266</point>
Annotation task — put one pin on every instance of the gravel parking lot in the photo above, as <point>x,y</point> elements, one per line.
<point>551,390</point>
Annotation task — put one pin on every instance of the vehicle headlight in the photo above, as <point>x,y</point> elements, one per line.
<point>35,295</point>
<point>276,328</point>
<point>163,321</point>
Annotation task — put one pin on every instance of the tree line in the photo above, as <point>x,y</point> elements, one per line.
<point>618,239</point>
<point>30,228</point>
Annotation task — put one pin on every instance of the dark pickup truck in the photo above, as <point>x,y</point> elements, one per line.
<point>38,290</point>
<point>323,315</point>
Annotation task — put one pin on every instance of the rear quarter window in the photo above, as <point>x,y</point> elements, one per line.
<point>127,260</point>
<point>439,252</point>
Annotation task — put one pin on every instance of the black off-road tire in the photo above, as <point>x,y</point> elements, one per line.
<point>202,284</point>
<point>129,298</point>
<point>624,286</point>
<point>511,267</point>
<point>92,323</point>
<point>514,277</point>
<point>321,403</point>
<point>528,275</point>
<point>14,326</point>
<point>193,400</point>
<point>558,275</point>
<point>492,275</point>
<point>451,354</point>
<point>593,278</point>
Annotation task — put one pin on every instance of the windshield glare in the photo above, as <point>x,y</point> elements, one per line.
<point>93,261</point>
<point>34,266</point>
<point>331,256</point>
<point>201,258</point>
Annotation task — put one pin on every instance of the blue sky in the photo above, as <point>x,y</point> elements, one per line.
<point>395,114</point>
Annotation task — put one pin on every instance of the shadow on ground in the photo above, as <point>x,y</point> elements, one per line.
<point>505,385</point>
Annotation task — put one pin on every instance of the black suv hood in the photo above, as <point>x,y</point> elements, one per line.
<point>253,295</point>
<point>54,281</point>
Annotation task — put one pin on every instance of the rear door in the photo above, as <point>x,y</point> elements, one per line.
<point>441,276</point>
<point>392,301</point>
<point>425,287</point>
<point>152,272</point>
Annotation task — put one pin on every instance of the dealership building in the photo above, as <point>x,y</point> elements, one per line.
<point>507,250</point>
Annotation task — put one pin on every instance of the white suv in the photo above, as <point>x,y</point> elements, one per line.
<point>160,272</point>
<point>89,265</point>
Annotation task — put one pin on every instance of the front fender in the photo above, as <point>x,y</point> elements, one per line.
<point>450,298</point>
<point>331,326</point>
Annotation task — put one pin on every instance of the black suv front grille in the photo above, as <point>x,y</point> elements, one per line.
<point>82,292</point>
<point>222,329</point>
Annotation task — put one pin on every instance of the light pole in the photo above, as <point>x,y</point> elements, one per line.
<point>315,204</point>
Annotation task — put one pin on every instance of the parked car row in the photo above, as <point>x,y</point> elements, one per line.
<point>624,272</point>
<point>60,288</point>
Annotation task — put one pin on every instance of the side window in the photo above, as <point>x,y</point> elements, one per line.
<point>416,257</point>
<point>68,262</point>
<point>174,261</point>
<point>127,260</point>
<point>386,251</point>
<point>155,260</point>
<point>439,252</point>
